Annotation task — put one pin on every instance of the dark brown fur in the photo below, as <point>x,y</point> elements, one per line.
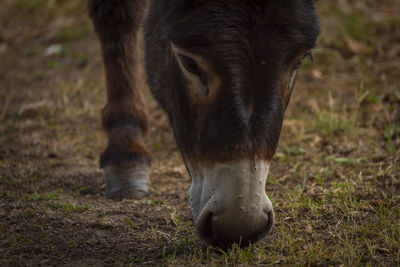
<point>251,45</point>
<point>125,116</point>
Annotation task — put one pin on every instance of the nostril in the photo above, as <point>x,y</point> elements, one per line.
<point>271,219</point>
<point>205,227</point>
<point>221,231</point>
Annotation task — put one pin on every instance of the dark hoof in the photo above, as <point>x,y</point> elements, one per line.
<point>127,181</point>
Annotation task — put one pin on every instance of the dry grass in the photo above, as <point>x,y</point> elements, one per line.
<point>335,181</point>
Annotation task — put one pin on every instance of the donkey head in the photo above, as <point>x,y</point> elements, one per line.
<point>224,72</point>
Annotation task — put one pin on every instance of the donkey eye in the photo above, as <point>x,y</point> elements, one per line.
<point>293,74</point>
<point>292,79</point>
<point>309,55</point>
<point>189,64</point>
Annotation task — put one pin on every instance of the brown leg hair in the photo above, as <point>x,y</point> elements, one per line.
<point>126,160</point>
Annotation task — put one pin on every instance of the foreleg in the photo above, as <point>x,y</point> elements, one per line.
<point>126,160</point>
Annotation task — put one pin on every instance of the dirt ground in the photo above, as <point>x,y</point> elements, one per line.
<point>334,182</point>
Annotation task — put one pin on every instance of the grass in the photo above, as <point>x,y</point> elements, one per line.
<point>357,27</point>
<point>156,202</point>
<point>392,131</point>
<point>37,196</point>
<point>295,151</point>
<point>68,207</point>
<point>72,33</point>
<point>30,6</point>
<point>343,160</point>
<point>50,201</point>
<point>348,241</point>
<point>334,182</point>
<point>330,122</point>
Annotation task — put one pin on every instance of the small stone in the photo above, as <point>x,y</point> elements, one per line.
<point>52,50</point>
<point>317,74</point>
<point>3,48</point>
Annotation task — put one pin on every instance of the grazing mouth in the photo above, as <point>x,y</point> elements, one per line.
<point>229,203</point>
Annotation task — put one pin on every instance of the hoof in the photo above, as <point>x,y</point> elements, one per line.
<point>127,181</point>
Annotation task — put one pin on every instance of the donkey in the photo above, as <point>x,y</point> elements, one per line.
<point>224,72</point>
